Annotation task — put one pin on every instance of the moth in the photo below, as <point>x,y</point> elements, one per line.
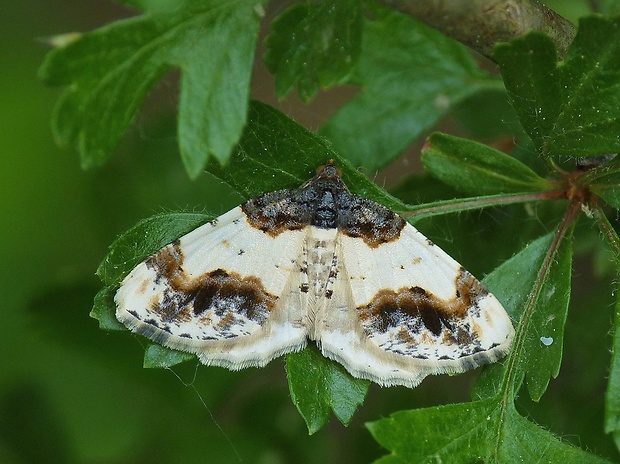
<point>316,263</point>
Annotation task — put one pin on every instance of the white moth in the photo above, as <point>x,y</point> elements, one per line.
<point>323,264</point>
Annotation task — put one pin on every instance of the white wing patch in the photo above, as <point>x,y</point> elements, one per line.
<point>205,294</point>
<point>316,263</point>
<point>426,315</point>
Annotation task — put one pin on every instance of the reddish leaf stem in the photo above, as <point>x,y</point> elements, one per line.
<point>455,206</point>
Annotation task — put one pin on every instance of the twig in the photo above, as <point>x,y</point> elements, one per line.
<point>481,24</point>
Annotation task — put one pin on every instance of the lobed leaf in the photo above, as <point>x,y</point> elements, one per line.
<point>109,71</point>
<point>570,108</point>
<point>589,123</point>
<point>517,439</point>
<point>480,431</point>
<point>529,68</point>
<point>452,433</point>
<point>319,385</point>
<point>478,169</point>
<point>314,45</point>
<point>410,75</point>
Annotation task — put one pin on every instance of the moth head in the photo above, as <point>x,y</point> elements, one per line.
<point>329,170</point>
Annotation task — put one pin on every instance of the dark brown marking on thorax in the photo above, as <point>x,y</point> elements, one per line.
<point>225,292</point>
<point>417,308</point>
<point>325,202</point>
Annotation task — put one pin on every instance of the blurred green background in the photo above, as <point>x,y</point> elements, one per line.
<point>72,393</point>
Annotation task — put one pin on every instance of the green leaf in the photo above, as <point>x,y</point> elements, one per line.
<point>275,152</point>
<point>109,71</point>
<point>318,385</point>
<point>314,45</point>
<point>410,76</point>
<point>104,309</point>
<point>529,69</point>
<point>478,169</point>
<point>570,108</point>
<point>528,442</point>
<point>215,85</point>
<point>544,339</point>
<point>540,304</point>
<point>589,124</point>
<point>612,395</point>
<point>160,357</point>
<point>454,433</point>
<point>522,268</point>
<point>480,431</point>
<point>144,239</point>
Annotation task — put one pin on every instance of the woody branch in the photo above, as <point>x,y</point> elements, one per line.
<point>480,24</point>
